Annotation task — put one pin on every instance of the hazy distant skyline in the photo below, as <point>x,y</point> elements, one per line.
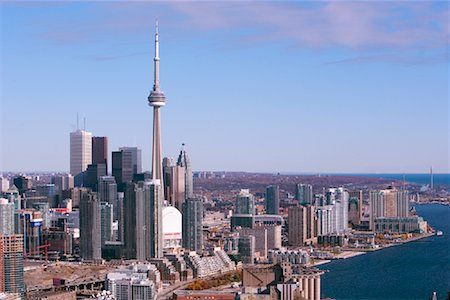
<point>305,87</point>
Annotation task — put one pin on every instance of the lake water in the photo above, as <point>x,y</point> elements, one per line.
<point>409,271</point>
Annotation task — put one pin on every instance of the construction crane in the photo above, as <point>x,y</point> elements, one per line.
<point>38,251</point>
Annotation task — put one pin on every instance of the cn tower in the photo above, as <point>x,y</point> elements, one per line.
<point>157,99</point>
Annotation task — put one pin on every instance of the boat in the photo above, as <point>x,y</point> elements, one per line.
<point>439,232</point>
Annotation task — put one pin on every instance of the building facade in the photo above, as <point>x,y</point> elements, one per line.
<point>245,203</point>
<point>302,226</point>
<point>122,168</point>
<point>6,217</point>
<point>304,193</point>
<point>185,162</point>
<point>90,227</point>
<point>136,158</point>
<point>80,151</point>
<point>338,198</point>
<point>100,151</point>
<point>390,202</point>
<point>175,183</point>
<point>11,264</point>
<point>192,214</point>
<point>272,199</point>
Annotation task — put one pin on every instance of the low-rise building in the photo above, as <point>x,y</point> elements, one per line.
<point>203,295</point>
<point>138,281</point>
<point>400,225</point>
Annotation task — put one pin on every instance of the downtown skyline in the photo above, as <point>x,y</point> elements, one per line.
<point>242,96</point>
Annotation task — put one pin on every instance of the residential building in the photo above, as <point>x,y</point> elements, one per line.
<point>302,226</point>
<point>245,202</point>
<point>192,213</point>
<point>272,199</point>
<point>304,193</point>
<point>90,227</point>
<point>11,264</point>
<point>390,202</point>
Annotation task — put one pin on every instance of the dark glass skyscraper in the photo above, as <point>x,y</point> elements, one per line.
<point>272,199</point>
<point>143,220</point>
<point>192,210</point>
<point>100,150</point>
<point>93,174</point>
<point>90,227</point>
<point>122,168</point>
<point>304,193</point>
<point>245,203</point>
<point>136,158</point>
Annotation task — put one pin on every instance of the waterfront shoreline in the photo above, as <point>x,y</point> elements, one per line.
<point>350,252</point>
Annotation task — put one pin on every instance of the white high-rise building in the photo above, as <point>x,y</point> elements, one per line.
<point>388,203</point>
<point>338,198</point>
<point>6,217</point>
<point>80,151</point>
<point>4,184</point>
<point>324,216</point>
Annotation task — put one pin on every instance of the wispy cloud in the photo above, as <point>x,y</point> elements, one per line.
<point>360,26</point>
<point>356,25</point>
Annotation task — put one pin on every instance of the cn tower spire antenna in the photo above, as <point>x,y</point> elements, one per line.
<point>156,59</point>
<point>157,100</point>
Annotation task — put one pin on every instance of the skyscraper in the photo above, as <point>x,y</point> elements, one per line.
<point>272,199</point>
<point>4,184</point>
<point>93,174</point>
<point>157,99</point>
<point>304,193</point>
<point>6,217</point>
<point>153,205</point>
<point>11,264</point>
<point>174,179</point>
<point>90,227</point>
<point>133,222</point>
<point>245,203</point>
<point>23,183</point>
<point>192,224</point>
<point>80,151</point>
<point>143,220</point>
<point>100,150</point>
<point>355,207</point>
<point>107,192</point>
<point>136,158</point>
<point>185,162</point>
<point>302,225</point>
<point>338,198</point>
<point>106,222</point>
<point>388,203</point>
<point>122,168</point>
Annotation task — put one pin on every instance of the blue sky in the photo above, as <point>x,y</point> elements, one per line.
<point>252,86</point>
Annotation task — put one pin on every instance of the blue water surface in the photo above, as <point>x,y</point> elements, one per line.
<point>409,271</point>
